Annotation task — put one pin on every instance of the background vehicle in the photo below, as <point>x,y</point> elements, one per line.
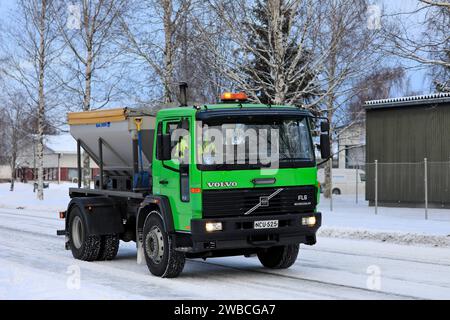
<point>345,181</point>
<point>176,209</point>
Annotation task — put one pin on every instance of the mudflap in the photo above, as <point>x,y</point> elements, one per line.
<point>140,253</point>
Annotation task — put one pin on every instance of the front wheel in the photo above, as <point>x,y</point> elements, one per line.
<point>281,257</point>
<point>160,255</point>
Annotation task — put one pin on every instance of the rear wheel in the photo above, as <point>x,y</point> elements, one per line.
<point>109,247</point>
<point>160,255</point>
<point>281,257</point>
<point>83,246</point>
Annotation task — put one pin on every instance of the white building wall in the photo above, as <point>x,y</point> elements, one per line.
<point>5,172</point>
<point>350,137</point>
<point>51,161</point>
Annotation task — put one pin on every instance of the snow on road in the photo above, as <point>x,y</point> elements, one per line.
<point>34,265</point>
<point>347,220</point>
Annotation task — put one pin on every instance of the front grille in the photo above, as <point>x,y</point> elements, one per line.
<point>237,202</point>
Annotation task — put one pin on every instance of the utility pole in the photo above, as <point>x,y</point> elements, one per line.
<point>376,186</point>
<point>425,164</point>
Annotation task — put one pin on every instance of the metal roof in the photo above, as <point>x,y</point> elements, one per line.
<point>435,98</point>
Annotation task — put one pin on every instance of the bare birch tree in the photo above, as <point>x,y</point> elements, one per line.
<point>315,50</point>
<point>287,23</point>
<point>205,83</point>
<point>381,83</point>
<point>32,40</point>
<point>17,136</point>
<point>431,46</point>
<point>354,49</point>
<point>88,29</point>
<point>150,35</point>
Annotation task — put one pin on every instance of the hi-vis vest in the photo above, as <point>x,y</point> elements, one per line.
<point>182,148</point>
<point>207,147</point>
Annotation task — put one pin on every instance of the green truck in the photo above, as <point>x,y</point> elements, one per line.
<point>233,178</point>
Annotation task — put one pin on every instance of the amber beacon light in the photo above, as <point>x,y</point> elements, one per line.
<point>235,97</point>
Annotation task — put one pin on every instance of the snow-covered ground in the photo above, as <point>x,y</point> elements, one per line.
<point>349,214</point>
<point>347,220</point>
<point>397,225</point>
<point>34,264</point>
<point>56,197</point>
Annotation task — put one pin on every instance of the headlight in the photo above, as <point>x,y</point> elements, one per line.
<point>309,221</point>
<point>213,226</point>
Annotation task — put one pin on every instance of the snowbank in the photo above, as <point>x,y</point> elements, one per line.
<point>56,197</point>
<point>352,220</point>
<point>390,237</point>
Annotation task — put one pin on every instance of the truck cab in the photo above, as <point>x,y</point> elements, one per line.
<point>233,178</point>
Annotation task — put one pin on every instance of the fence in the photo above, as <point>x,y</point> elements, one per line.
<point>424,184</point>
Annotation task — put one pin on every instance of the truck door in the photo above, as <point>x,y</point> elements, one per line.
<point>171,177</point>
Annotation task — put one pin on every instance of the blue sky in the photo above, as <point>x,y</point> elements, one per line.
<point>6,4</point>
<point>417,76</point>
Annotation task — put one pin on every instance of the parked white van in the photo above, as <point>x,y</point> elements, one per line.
<point>344,181</point>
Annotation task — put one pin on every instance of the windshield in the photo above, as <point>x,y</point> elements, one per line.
<point>260,142</point>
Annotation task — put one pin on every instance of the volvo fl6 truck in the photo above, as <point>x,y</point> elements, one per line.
<point>206,181</point>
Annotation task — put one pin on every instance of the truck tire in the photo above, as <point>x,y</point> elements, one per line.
<point>109,247</point>
<point>279,257</point>
<point>84,247</point>
<point>160,255</point>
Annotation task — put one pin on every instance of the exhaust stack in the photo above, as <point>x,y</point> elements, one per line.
<point>183,94</point>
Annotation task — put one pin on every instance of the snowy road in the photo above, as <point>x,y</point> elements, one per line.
<point>34,265</point>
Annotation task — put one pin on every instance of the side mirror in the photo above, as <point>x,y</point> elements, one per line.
<point>325,148</point>
<point>164,152</point>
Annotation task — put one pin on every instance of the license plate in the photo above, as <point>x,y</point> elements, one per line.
<point>266,224</point>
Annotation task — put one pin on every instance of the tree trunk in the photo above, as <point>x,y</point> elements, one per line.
<point>168,50</point>
<point>329,164</point>
<point>87,107</point>
<point>328,179</point>
<point>276,31</point>
<point>332,65</point>
<point>41,107</point>
<point>13,173</point>
<point>13,154</point>
<point>40,160</point>
<point>279,48</point>
<point>11,187</point>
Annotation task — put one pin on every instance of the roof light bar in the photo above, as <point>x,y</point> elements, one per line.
<point>235,97</point>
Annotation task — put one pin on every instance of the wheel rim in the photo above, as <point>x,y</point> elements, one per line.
<point>77,232</point>
<point>154,245</point>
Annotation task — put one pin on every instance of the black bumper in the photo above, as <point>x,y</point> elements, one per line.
<point>239,233</point>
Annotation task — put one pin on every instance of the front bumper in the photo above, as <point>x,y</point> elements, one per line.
<point>239,233</point>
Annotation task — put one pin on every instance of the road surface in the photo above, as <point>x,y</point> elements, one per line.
<point>34,265</point>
